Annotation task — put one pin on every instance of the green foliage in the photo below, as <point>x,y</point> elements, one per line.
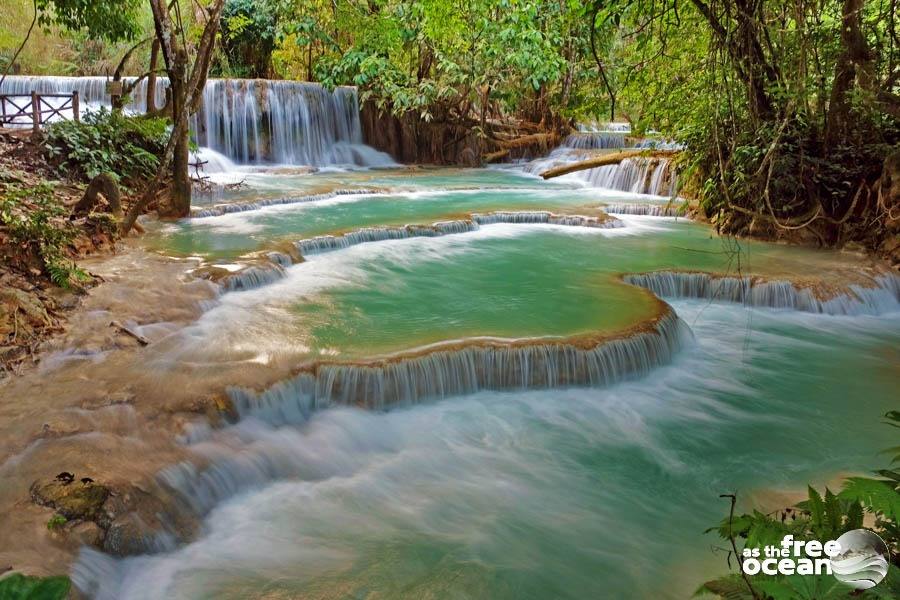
<point>56,521</point>
<point>23,587</point>
<point>433,57</point>
<point>35,222</point>
<point>103,19</point>
<point>107,142</point>
<point>819,517</point>
<point>248,31</point>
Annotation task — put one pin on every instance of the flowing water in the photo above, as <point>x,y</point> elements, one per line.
<point>246,121</point>
<point>496,390</point>
<point>485,457</point>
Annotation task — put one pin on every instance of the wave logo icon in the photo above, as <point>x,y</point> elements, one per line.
<point>863,559</point>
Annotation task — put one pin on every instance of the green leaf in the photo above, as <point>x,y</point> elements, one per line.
<point>834,514</point>
<point>22,587</point>
<point>731,587</point>
<point>876,495</point>
<point>816,508</point>
<point>802,587</point>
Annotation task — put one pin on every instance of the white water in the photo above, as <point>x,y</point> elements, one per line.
<point>247,121</point>
<point>882,298</point>
<point>505,495</point>
<point>639,175</point>
<point>595,140</point>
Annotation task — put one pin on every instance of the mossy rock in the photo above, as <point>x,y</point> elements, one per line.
<point>75,500</point>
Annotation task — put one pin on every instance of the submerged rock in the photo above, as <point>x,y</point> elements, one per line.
<point>73,500</point>
<point>122,520</point>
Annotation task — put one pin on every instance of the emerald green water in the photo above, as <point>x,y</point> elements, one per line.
<point>509,281</point>
<point>571,493</point>
<point>231,235</point>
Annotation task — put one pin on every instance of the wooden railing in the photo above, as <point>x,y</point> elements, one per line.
<point>17,110</point>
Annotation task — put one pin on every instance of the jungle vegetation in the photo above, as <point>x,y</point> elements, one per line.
<point>788,108</point>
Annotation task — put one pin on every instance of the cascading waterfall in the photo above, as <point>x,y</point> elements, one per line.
<point>882,297</point>
<point>248,121</point>
<point>649,210</point>
<point>595,140</point>
<point>410,380</point>
<point>545,217</point>
<point>639,175</point>
<point>326,243</point>
<point>486,365</point>
<point>258,275</point>
<point>289,122</point>
<point>91,90</point>
<point>254,277</point>
<point>237,207</point>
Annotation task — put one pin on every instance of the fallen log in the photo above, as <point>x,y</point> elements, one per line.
<point>605,159</point>
<point>492,156</point>
<point>546,139</point>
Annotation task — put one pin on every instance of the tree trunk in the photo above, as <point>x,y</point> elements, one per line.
<point>151,77</point>
<point>180,196</point>
<point>189,95</point>
<point>853,65</point>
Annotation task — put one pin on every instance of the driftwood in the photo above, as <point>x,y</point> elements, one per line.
<point>492,156</point>
<point>605,159</point>
<point>128,331</point>
<point>548,139</point>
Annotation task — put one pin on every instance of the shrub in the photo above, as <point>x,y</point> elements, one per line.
<point>821,517</point>
<point>22,587</point>
<point>34,221</point>
<point>104,141</point>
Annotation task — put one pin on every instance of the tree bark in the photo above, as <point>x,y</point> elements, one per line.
<point>854,65</point>
<point>166,34</point>
<point>151,77</point>
<point>180,196</point>
<point>604,160</point>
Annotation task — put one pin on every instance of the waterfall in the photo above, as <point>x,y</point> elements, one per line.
<point>273,268</point>
<point>639,175</point>
<point>248,121</point>
<point>325,243</point>
<point>882,297</point>
<point>254,277</point>
<point>650,210</point>
<point>545,217</point>
<point>236,207</point>
<point>401,381</point>
<point>595,140</point>
<point>478,365</point>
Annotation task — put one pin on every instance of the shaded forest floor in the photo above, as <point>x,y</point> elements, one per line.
<point>33,307</point>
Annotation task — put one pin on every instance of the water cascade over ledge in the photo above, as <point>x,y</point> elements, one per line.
<point>248,121</point>
<point>881,297</point>
<point>272,269</point>
<point>402,380</point>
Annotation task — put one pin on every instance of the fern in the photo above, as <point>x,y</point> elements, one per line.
<point>879,496</point>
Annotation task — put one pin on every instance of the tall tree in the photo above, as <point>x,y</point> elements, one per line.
<point>187,77</point>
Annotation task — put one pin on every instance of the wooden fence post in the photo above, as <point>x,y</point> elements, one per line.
<point>75,105</point>
<point>36,112</point>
